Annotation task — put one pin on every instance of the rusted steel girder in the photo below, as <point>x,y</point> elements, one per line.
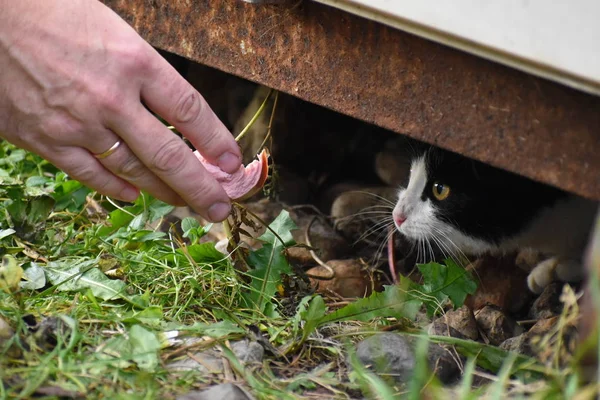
<point>390,78</point>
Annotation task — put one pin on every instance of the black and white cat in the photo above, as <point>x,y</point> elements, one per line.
<point>464,206</point>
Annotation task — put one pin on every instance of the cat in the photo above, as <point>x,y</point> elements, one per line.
<point>465,207</point>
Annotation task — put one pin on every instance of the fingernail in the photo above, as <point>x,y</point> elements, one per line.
<point>218,211</point>
<point>229,162</point>
<point>129,194</point>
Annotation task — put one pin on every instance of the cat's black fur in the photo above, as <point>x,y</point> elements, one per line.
<point>488,210</point>
<point>485,202</point>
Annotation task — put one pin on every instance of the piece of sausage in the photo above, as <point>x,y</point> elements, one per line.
<point>246,181</point>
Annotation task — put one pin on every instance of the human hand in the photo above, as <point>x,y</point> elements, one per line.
<point>73,76</point>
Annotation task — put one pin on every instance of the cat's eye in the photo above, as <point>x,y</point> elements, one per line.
<point>441,191</point>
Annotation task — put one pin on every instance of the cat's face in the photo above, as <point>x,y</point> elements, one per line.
<point>460,205</point>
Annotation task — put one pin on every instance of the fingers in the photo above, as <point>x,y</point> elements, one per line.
<point>171,160</point>
<point>123,163</point>
<point>82,166</point>
<point>173,98</point>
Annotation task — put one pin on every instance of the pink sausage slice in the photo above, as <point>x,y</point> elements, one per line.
<point>243,183</point>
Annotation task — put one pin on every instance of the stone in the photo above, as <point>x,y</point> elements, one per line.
<point>496,325</point>
<point>445,362</point>
<point>463,321</point>
<point>518,344</point>
<point>248,352</point>
<point>548,303</point>
<point>564,342</point>
<point>440,328</point>
<point>388,354</point>
<point>543,326</point>
<point>392,355</point>
<point>350,279</point>
<point>207,362</point>
<point>225,391</point>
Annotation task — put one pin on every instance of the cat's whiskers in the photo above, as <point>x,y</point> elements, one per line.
<point>442,245</point>
<point>417,247</point>
<point>382,246</point>
<point>426,254</point>
<point>413,247</point>
<point>446,251</point>
<point>461,257</point>
<point>381,225</point>
<point>378,226</point>
<point>379,197</point>
<point>366,214</point>
<point>421,253</point>
<point>431,252</point>
<point>383,232</point>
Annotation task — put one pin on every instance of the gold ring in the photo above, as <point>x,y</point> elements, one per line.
<point>108,152</point>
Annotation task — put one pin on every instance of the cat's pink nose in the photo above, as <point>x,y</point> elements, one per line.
<point>399,219</point>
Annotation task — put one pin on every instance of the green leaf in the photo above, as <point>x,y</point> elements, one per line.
<point>491,357</point>
<point>27,213</point>
<point>67,276</point>
<point>312,316</point>
<point>269,263</point>
<point>158,209</point>
<point>146,236</point>
<point>204,253</point>
<point>35,191</point>
<point>114,353</point>
<point>394,301</point>
<point>151,315</point>
<point>144,347</point>
<point>193,230</point>
<point>117,219</point>
<point>70,195</point>
<point>36,181</point>
<point>189,223</point>
<point>34,277</point>
<point>15,156</point>
<point>39,209</point>
<point>283,225</point>
<point>139,222</point>
<point>459,283</point>
<point>17,206</point>
<point>138,345</point>
<point>141,300</point>
<point>445,281</point>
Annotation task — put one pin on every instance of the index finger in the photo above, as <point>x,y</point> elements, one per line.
<point>168,94</point>
<point>165,154</point>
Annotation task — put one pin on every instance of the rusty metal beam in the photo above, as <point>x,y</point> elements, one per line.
<point>390,78</point>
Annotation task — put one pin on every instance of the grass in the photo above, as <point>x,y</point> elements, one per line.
<point>104,297</point>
